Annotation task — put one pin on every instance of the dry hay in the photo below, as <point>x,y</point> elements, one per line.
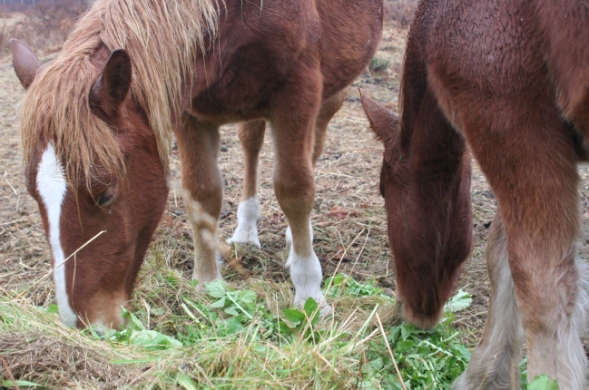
<point>39,358</point>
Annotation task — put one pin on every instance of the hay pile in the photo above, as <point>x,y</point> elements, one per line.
<point>62,362</point>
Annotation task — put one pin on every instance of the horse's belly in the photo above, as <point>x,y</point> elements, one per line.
<point>351,31</point>
<point>260,54</point>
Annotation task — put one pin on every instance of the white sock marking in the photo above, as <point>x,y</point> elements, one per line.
<point>306,276</point>
<point>248,214</point>
<point>52,187</point>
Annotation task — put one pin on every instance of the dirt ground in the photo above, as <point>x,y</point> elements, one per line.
<point>349,218</point>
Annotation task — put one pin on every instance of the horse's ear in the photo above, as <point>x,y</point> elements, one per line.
<point>383,122</point>
<point>26,64</point>
<point>112,86</point>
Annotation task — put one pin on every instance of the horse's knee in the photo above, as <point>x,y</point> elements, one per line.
<point>251,134</point>
<point>207,199</point>
<point>295,190</point>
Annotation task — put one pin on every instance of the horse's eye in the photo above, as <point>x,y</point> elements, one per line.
<point>106,198</point>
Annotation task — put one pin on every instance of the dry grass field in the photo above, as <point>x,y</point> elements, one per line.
<point>348,220</point>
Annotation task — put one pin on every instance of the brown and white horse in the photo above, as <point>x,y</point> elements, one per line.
<point>509,79</point>
<point>97,122</point>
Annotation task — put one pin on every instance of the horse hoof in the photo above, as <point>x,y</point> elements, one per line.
<point>244,239</point>
<point>248,214</point>
<point>325,311</point>
<point>205,278</point>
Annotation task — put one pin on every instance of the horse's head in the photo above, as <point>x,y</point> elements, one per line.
<point>98,221</point>
<point>428,213</point>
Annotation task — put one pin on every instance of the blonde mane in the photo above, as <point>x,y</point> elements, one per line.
<point>163,39</point>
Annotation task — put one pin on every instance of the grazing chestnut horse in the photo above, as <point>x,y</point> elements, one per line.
<point>97,123</point>
<point>509,78</point>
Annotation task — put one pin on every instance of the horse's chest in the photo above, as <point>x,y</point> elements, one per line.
<point>240,86</point>
<point>242,100</point>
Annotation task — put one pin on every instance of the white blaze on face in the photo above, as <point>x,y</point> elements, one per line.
<point>52,187</point>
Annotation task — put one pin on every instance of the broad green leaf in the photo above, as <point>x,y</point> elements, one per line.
<point>294,315</point>
<point>406,331</point>
<point>394,334</point>
<point>232,325</point>
<point>376,364</point>
<point>543,382</point>
<point>153,340</point>
<point>458,302</point>
<point>157,311</point>
<point>133,323</point>
<point>216,288</point>
<point>339,279</point>
<point>52,309</point>
<point>186,382</point>
<point>218,304</point>
<point>247,296</point>
<point>310,306</point>
<point>284,328</point>
<point>404,345</point>
<point>464,353</point>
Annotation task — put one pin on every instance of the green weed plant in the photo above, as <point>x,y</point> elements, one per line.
<point>228,338</point>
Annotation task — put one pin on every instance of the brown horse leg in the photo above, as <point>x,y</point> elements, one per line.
<point>542,224</point>
<point>294,115</point>
<point>198,145</point>
<point>495,361</point>
<point>328,109</point>
<point>535,179</point>
<point>552,300</point>
<point>548,282</point>
<point>251,135</point>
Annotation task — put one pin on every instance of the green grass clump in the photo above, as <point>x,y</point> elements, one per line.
<point>379,65</point>
<point>221,337</point>
<point>226,338</point>
<point>241,334</point>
